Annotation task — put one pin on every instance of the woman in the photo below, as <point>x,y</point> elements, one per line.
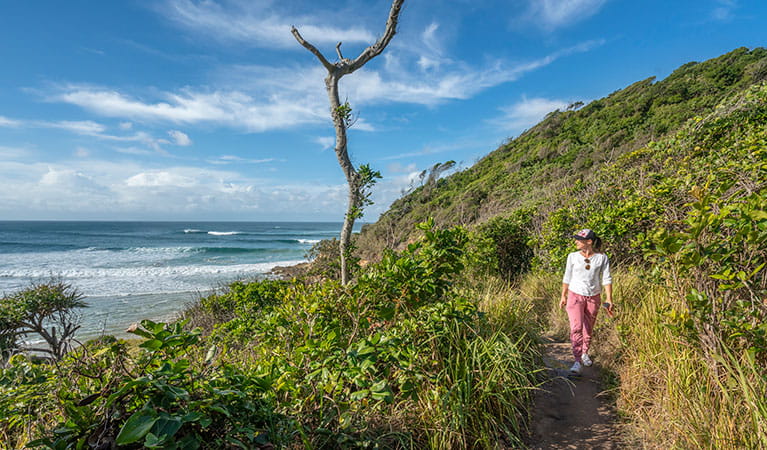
<point>586,272</point>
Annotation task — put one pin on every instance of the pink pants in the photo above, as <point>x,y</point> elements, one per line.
<point>582,311</point>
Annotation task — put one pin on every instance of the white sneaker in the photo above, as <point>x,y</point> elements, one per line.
<point>586,360</point>
<point>576,368</point>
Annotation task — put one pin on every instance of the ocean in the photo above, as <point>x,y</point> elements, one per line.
<point>129,271</point>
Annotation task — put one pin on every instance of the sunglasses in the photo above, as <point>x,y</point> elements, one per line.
<point>588,263</point>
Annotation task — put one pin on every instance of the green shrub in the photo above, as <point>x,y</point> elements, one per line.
<point>48,310</point>
<point>159,399</point>
<point>510,238</point>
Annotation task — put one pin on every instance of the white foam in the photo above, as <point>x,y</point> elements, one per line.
<point>124,281</point>
<point>91,257</point>
<point>192,230</point>
<point>224,233</point>
<point>308,241</point>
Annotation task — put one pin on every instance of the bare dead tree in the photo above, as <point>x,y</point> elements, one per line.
<point>437,170</point>
<point>358,180</point>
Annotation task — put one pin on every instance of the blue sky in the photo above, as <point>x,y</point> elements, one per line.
<point>209,110</point>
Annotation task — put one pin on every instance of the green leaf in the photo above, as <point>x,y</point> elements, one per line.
<point>136,427</point>
<point>166,427</point>
<point>755,271</point>
<point>387,313</point>
<point>174,341</point>
<point>206,421</point>
<point>189,442</point>
<point>142,333</point>
<point>379,387</point>
<point>151,344</point>
<point>366,364</point>
<point>212,351</point>
<point>150,325</point>
<point>89,399</point>
<point>192,416</point>
<point>386,396</point>
<point>176,392</point>
<point>152,441</point>
<point>221,410</point>
<point>359,395</point>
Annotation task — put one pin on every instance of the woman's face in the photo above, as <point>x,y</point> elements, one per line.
<point>583,243</point>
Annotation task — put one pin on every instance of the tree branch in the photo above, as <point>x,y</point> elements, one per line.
<point>338,51</point>
<point>376,49</point>
<point>312,49</point>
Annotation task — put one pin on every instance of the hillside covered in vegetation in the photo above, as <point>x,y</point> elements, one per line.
<point>529,173</point>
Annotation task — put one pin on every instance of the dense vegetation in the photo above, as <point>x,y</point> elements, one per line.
<point>428,348</point>
<point>528,173</point>
<point>402,358</point>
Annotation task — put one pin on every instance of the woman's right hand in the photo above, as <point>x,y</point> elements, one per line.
<point>562,302</point>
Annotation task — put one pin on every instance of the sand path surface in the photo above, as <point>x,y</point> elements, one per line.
<point>573,412</point>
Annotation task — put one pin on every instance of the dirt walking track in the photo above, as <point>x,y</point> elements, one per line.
<point>572,412</point>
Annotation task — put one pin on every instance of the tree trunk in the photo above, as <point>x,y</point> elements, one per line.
<point>352,177</point>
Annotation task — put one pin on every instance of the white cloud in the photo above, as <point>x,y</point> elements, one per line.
<point>82,152</point>
<point>325,142</point>
<point>8,153</point>
<point>527,112</point>
<point>360,124</point>
<point>231,159</point>
<point>97,130</point>
<point>93,50</point>
<point>724,10</point>
<point>6,122</point>
<point>113,104</point>
<point>232,108</point>
<point>430,39</point>
<point>180,138</point>
<point>86,127</point>
<point>553,14</point>
<point>432,149</point>
<point>399,168</point>
<point>125,125</point>
<point>160,178</point>
<point>67,179</point>
<point>133,151</point>
<point>140,137</point>
<point>255,24</point>
<point>431,55</point>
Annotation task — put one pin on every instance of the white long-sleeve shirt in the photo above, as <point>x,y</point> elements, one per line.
<point>587,282</point>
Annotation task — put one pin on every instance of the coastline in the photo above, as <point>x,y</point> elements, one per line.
<point>170,306</point>
<point>289,272</point>
<point>158,307</point>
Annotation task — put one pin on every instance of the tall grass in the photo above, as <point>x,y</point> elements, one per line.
<point>671,395</point>
<point>481,396</point>
<point>513,308</point>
